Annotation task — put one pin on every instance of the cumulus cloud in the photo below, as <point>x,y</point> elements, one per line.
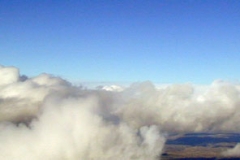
<point>67,122</point>
<point>8,75</point>
<point>69,129</point>
<point>181,108</point>
<point>47,117</point>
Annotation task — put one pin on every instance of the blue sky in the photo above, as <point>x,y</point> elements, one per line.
<point>172,41</point>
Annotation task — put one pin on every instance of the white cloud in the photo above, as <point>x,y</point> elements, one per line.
<point>69,122</point>
<point>8,75</point>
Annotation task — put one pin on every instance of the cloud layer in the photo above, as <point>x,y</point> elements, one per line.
<point>46,117</point>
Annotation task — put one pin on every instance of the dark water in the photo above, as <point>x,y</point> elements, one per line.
<point>203,139</point>
<point>205,159</point>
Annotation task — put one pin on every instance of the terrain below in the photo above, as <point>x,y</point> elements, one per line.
<point>200,146</point>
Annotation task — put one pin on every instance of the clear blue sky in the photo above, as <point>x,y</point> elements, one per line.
<point>172,41</point>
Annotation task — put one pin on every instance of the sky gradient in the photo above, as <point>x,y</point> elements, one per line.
<point>168,41</point>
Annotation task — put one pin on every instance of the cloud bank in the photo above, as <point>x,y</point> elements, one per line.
<point>46,117</point>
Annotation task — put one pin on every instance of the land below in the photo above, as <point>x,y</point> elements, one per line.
<point>200,146</point>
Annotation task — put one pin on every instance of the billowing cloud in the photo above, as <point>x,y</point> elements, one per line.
<point>8,75</point>
<point>46,117</point>
<point>183,108</point>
